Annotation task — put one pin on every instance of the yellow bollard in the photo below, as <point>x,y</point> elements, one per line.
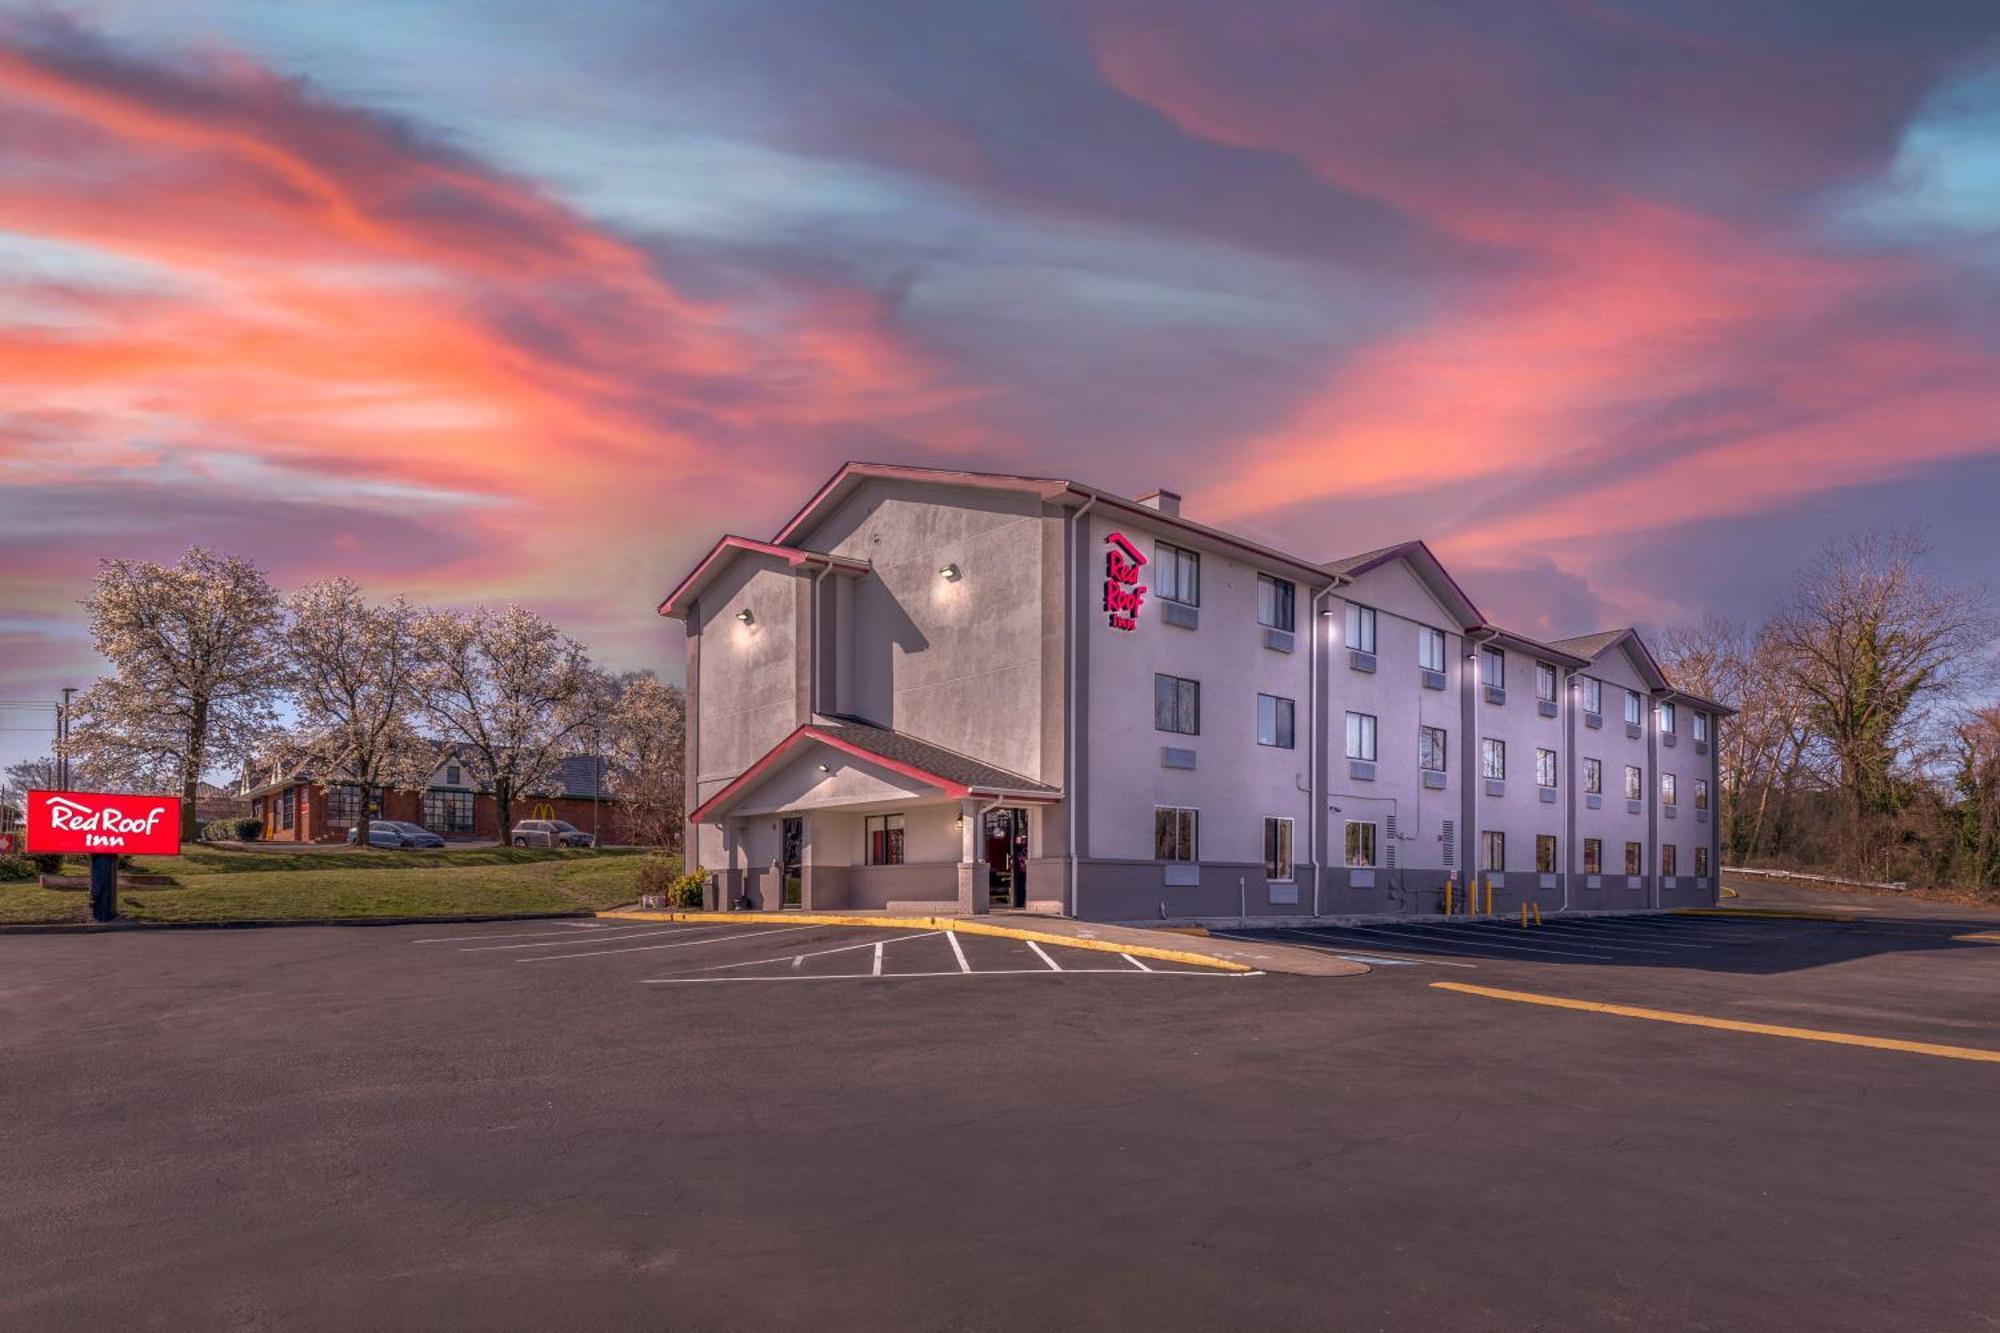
<point>1489,895</point>
<point>1524,916</point>
<point>1447,894</point>
<point>1538,914</point>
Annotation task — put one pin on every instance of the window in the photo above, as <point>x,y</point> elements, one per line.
<point>1666,718</point>
<point>1699,723</point>
<point>1545,768</point>
<point>1593,694</point>
<point>885,840</point>
<point>1593,777</point>
<point>1274,721</point>
<point>1545,682</point>
<point>343,803</point>
<point>1701,862</point>
<point>288,806</point>
<point>1632,705</point>
<point>1176,833</point>
<point>1635,784</point>
<point>1275,602</point>
<point>1430,648</point>
<point>1545,853</point>
<point>1635,859</point>
<point>1493,759</point>
<point>1360,736</point>
<point>1670,856</point>
<point>448,811</point>
<point>1278,850</point>
<point>1668,794</point>
<point>1360,844</point>
<point>454,776</point>
<point>1701,793</point>
<point>1177,575</point>
<point>1431,749</point>
<point>1493,668</point>
<point>1177,705</point>
<point>1593,856</point>
<point>1493,850</point>
<point>1361,628</point>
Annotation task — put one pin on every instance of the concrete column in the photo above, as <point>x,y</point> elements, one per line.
<point>972,895</point>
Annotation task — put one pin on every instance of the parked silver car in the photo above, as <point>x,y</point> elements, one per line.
<point>549,833</point>
<point>397,833</point>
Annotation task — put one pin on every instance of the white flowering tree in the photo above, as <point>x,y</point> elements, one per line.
<point>514,694</point>
<point>356,671</point>
<point>645,748</point>
<point>196,673</point>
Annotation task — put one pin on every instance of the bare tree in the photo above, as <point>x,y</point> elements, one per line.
<point>193,649</point>
<point>516,695</point>
<point>646,734</point>
<point>1869,638</point>
<point>355,669</point>
<point>1978,787</point>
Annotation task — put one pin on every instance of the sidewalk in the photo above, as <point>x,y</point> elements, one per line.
<point>1139,941</point>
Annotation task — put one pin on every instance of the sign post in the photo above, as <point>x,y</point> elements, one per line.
<point>104,827</point>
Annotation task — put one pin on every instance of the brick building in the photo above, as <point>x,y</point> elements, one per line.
<point>303,808</point>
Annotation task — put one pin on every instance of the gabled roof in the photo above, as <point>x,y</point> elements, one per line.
<point>1590,647</point>
<point>1523,643</point>
<point>1430,571</point>
<point>720,555</point>
<point>953,774</point>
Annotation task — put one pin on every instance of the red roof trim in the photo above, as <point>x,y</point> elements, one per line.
<point>783,749</point>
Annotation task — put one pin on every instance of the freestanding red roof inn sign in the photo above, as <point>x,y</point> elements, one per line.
<point>102,824</point>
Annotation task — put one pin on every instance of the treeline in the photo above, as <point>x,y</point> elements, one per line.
<point>1868,741</point>
<point>213,668</point>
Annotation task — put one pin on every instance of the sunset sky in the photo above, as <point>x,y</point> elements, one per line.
<point>1625,306</point>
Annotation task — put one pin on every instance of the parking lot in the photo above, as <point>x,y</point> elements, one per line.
<point>569,1125</point>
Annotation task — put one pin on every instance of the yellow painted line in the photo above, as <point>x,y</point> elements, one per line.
<point>1762,913</point>
<point>1727,1024</point>
<point>1983,937</point>
<point>962,925</point>
<point>1728,892</point>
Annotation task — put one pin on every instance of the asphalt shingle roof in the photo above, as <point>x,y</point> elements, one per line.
<point>902,748</point>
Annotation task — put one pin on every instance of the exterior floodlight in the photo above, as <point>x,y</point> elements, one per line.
<point>745,616</point>
<point>949,573</point>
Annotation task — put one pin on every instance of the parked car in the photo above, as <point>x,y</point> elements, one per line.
<point>397,833</point>
<point>549,833</point>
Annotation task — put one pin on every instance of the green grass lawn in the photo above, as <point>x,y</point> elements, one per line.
<point>217,884</point>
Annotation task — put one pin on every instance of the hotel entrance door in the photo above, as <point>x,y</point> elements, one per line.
<point>1006,839</point>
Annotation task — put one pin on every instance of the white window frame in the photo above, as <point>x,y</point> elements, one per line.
<point>1593,776</point>
<point>1545,682</point>
<point>1361,627</point>
<point>1665,712</point>
<point>1493,667</point>
<point>1698,725</point>
<point>1283,596</point>
<point>1492,848</point>
<point>1168,556</point>
<point>1634,712</point>
<point>1593,694</point>
<point>1670,789</point>
<point>1430,648</point>
<point>1363,731</point>
<point>1635,783</point>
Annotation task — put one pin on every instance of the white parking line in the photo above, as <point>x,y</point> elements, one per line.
<point>1135,962</point>
<point>1516,934</point>
<point>878,958</point>
<point>1333,933</point>
<point>1053,965</point>
<point>1436,937</point>
<point>521,935</point>
<point>1610,936</point>
<point>954,976</point>
<point>957,950</point>
<point>759,932</point>
<point>818,953</point>
<point>568,940</point>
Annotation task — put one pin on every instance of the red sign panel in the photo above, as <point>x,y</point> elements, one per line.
<point>1123,593</point>
<point>9,843</point>
<point>80,821</point>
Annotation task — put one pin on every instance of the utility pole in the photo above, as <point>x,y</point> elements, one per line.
<point>62,739</point>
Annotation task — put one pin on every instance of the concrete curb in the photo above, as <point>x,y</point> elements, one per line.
<point>105,927</point>
<point>961,925</point>
<point>1765,913</point>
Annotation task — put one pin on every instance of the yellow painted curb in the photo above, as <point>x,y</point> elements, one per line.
<point>1727,1024</point>
<point>1983,937</point>
<point>1201,931</point>
<point>1728,892</point>
<point>958,924</point>
<point>1762,913</point>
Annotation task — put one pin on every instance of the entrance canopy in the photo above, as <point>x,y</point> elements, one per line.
<point>850,764</point>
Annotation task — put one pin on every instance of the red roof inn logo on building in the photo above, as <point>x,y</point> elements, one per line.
<point>1123,593</point>
<point>76,821</point>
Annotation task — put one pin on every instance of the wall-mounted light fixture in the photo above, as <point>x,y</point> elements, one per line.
<point>824,769</point>
<point>745,616</point>
<point>950,574</point>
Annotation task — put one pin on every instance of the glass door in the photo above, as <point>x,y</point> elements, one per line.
<point>1005,839</point>
<point>791,867</point>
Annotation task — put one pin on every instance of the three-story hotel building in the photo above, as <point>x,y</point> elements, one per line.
<point>962,692</point>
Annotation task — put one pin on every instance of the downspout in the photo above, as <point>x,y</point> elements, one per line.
<point>1475,788</point>
<point>1071,556</point>
<point>1316,812</point>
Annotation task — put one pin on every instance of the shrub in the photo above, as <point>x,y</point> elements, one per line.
<point>46,863</point>
<point>232,830</point>
<point>689,890</point>
<point>656,877</point>
<point>15,869</point>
